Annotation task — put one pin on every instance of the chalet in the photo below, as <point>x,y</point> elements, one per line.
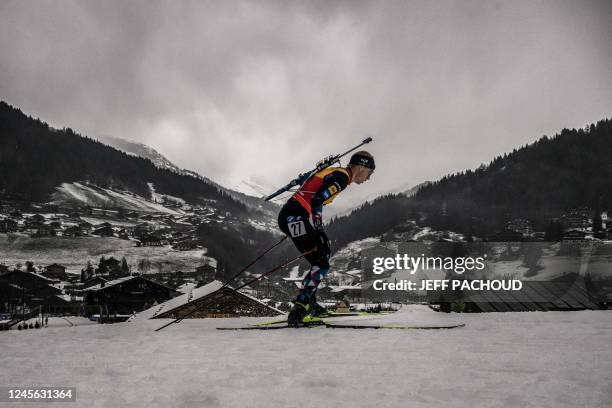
<point>45,230</point>
<point>55,272</point>
<point>142,229</point>
<point>34,222</point>
<point>575,235</point>
<point>176,279</point>
<point>212,300</point>
<point>579,219</point>
<point>57,304</point>
<point>11,295</point>
<point>85,226</point>
<point>123,234</point>
<point>37,218</point>
<point>186,245</point>
<point>74,231</point>
<point>56,224</point>
<point>28,280</point>
<point>566,293</point>
<point>205,273</point>
<point>126,295</point>
<point>104,232</point>
<point>15,214</point>
<point>151,240</point>
<point>93,281</point>
<point>30,289</point>
<point>520,225</point>
<point>8,225</point>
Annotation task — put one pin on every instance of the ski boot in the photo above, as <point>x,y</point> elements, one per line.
<point>316,310</point>
<point>297,314</point>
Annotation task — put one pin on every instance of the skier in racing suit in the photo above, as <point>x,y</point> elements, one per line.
<point>301,219</point>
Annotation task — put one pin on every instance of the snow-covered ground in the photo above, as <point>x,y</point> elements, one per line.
<point>81,194</point>
<point>538,359</point>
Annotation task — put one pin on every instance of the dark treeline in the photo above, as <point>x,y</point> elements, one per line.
<point>235,246</point>
<point>370,219</point>
<point>36,158</point>
<point>537,182</point>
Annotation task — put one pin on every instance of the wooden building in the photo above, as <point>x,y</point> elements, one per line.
<point>31,289</point>
<point>151,240</point>
<point>104,232</point>
<point>213,300</point>
<point>45,230</point>
<point>205,273</point>
<point>566,293</point>
<point>55,272</point>
<point>74,231</point>
<point>8,225</point>
<point>125,295</point>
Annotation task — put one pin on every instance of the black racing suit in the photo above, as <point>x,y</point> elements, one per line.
<point>301,219</point>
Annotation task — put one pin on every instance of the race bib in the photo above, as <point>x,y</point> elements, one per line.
<point>296,229</point>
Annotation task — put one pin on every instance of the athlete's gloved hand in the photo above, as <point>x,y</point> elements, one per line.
<point>324,243</point>
<point>317,221</point>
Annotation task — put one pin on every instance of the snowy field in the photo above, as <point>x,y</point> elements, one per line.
<point>538,359</point>
<point>73,253</point>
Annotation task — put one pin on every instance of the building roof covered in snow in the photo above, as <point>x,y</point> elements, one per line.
<point>566,293</point>
<point>212,300</point>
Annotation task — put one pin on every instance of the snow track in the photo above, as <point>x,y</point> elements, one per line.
<point>526,360</point>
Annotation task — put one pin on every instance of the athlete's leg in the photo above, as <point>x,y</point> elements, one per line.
<point>298,227</point>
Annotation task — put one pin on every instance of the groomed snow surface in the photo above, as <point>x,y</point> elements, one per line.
<point>537,359</point>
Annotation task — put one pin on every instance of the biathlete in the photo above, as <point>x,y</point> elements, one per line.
<point>301,220</point>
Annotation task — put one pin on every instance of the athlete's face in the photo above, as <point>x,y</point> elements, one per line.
<point>362,174</point>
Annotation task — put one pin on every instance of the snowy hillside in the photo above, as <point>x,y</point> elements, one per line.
<point>90,195</point>
<point>513,360</point>
<point>248,193</point>
<point>142,150</point>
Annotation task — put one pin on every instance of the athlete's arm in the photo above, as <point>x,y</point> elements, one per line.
<point>333,184</point>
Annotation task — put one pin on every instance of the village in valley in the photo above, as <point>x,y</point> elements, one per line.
<point>104,264</point>
<point>107,264</point>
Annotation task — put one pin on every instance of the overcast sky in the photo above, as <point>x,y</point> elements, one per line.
<point>234,89</point>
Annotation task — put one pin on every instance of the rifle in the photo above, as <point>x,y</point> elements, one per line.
<point>322,164</point>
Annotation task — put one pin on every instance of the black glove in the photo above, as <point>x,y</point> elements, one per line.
<point>317,221</point>
<point>324,243</point>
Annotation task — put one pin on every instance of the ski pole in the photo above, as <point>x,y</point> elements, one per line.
<point>253,262</point>
<point>177,320</point>
<point>276,269</point>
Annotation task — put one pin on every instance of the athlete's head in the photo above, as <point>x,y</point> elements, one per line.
<point>361,166</point>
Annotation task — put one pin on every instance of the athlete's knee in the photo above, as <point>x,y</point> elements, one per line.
<point>323,262</point>
<point>324,271</point>
<point>317,272</point>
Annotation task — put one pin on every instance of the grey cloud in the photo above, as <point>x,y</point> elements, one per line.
<point>237,88</point>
